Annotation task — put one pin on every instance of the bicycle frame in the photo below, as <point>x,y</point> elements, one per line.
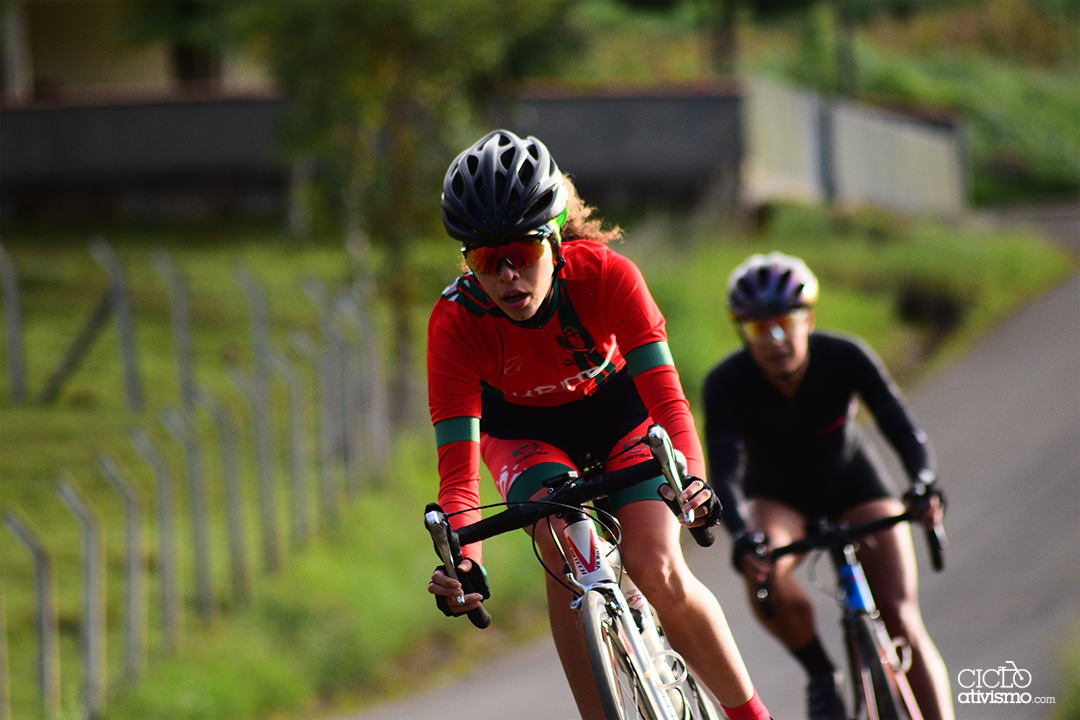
<point>857,600</point>
<point>858,605</point>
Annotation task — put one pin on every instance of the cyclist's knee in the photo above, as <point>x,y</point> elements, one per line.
<point>903,618</point>
<point>662,579</point>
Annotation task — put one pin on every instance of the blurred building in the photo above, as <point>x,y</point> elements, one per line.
<point>91,125</point>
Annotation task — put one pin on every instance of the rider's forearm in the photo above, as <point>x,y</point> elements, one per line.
<point>910,442</point>
<point>459,487</point>
<point>662,393</point>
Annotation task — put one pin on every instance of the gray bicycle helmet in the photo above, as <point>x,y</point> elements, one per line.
<point>768,285</point>
<point>501,187</point>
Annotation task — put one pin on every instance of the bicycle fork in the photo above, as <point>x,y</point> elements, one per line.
<point>594,572</point>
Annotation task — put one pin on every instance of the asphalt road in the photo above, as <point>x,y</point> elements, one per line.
<point>1005,420</point>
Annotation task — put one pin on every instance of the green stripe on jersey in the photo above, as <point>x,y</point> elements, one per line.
<point>648,356</point>
<point>459,429</point>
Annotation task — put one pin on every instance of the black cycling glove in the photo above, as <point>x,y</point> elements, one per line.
<point>474,581</point>
<point>748,543</point>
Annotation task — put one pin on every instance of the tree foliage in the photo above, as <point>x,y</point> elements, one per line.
<point>379,95</point>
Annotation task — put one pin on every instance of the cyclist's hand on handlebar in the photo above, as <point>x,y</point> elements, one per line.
<point>927,503</point>
<point>448,593</point>
<point>696,495</point>
<point>750,555</point>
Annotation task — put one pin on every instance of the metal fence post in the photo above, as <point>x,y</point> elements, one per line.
<point>13,337</point>
<point>181,326</point>
<point>259,396</point>
<point>355,436</point>
<point>166,523</point>
<point>329,493</point>
<point>265,490</point>
<point>377,413</point>
<point>298,448</point>
<point>331,393</point>
<point>48,665</point>
<point>125,323</point>
<point>92,635</point>
<point>134,570</point>
<point>178,425</point>
<point>234,504</point>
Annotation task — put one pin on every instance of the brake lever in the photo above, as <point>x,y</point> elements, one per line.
<point>660,443</point>
<point>448,550</point>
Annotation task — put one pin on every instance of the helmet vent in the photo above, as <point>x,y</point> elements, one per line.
<point>473,162</point>
<point>506,159</point>
<point>525,173</point>
<point>545,199</point>
<point>458,186</point>
<point>472,209</point>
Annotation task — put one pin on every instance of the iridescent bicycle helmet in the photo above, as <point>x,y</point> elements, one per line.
<point>769,285</point>
<point>501,187</point>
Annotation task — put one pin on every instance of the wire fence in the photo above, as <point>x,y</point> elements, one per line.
<point>328,414</point>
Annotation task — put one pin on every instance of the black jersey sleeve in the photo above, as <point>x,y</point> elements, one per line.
<point>891,413</point>
<point>723,446</point>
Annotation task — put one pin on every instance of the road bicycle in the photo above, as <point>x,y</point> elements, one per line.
<point>878,662</point>
<point>636,671</point>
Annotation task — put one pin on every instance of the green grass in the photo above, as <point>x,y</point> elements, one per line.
<point>347,620</point>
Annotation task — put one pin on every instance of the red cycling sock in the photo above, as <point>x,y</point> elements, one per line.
<point>753,709</point>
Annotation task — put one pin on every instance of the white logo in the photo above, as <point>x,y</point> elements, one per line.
<point>1001,685</point>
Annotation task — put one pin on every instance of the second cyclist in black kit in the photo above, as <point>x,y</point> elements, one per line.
<point>780,430</point>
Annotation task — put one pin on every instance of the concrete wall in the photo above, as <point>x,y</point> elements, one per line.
<point>803,148</point>
<point>197,157</point>
<point>204,156</point>
<point>620,149</point>
<point>623,148</point>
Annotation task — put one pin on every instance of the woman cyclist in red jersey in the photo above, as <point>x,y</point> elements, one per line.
<point>546,354</point>
<point>779,424</point>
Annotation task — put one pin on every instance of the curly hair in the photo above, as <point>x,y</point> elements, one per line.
<point>580,224</point>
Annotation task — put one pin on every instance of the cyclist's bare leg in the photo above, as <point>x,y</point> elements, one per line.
<point>689,613</point>
<point>891,570</point>
<point>793,619</point>
<point>566,626</point>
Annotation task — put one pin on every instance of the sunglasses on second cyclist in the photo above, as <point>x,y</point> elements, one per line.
<point>776,328</point>
<point>519,253</point>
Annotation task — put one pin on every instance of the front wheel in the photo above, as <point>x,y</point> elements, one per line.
<point>622,688</point>
<point>702,706</point>
<point>877,695</point>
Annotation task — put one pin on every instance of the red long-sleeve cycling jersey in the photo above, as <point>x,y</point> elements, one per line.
<point>602,319</point>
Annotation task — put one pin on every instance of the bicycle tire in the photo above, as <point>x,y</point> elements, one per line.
<point>622,691</point>
<point>703,706</point>
<point>873,676</point>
